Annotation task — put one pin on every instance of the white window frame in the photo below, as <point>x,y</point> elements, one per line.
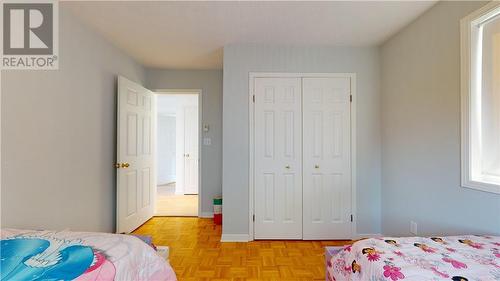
<point>471,31</point>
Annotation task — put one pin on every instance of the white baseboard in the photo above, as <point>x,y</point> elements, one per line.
<point>166,182</point>
<point>367,235</point>
<point>234,238</point>
<point>245,237</point>
<point>206,215</point>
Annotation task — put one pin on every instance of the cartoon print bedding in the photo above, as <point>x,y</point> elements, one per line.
<point>455,258</point>
<point>49,255</point>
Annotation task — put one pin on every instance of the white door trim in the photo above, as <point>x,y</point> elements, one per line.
<point>251,111</point>
<point>199,92</point>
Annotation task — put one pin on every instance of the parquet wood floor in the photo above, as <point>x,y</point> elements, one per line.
<point>196,253</point>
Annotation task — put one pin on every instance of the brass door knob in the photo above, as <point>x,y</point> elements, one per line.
<point>117,165</point>
<point>125,165</point>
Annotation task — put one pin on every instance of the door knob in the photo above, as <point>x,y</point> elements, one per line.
<point>316,166</point>
<point>125,165</point>
<point>187,154</point>
<point>287,167</point>
<point>117,165</point>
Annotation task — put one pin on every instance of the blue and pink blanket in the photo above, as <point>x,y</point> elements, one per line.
<point>82,256</point>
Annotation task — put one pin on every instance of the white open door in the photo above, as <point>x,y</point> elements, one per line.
<point>191,150</point>
<point>135,156</point>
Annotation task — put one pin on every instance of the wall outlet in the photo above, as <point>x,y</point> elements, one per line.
<point>413,227</point>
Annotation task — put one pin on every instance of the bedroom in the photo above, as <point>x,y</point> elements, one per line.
<point>59,127</point>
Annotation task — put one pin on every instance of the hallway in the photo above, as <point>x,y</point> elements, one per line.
<point>175,205</point>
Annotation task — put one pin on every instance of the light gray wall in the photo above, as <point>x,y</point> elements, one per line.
<point>421,131</point>
<point>58,135</point>
<point>239,60</point>
<point>210,82</point>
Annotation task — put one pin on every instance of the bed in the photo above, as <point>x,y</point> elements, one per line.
<point>456,258</point>
<point>81,256</point>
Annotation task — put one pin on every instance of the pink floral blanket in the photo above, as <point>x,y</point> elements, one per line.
<point>456,258</point>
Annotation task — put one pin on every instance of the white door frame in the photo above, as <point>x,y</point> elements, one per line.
<point>200,133</point>
<point>251,110</point>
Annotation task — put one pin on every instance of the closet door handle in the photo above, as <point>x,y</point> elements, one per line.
<point>287,167</point>
<point>316,166</point>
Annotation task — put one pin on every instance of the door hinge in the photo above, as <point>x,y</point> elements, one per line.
<point>350,98</point>
<point>253,98</point>
<point>253,218</point>
<point>351,218</point>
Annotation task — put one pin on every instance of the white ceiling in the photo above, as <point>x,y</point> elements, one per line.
<point>191,35</point>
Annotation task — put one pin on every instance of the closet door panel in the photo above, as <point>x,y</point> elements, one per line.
<point>326,158</point>
<point>278,158</point>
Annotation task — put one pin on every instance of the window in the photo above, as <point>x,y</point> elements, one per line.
<point>480,36</point>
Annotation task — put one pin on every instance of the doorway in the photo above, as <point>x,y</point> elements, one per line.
<point>177,152</point>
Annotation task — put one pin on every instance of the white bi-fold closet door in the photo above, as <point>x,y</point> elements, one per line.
<point>302,158</point>
<point>278,158</point>
<point>327,158</point>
